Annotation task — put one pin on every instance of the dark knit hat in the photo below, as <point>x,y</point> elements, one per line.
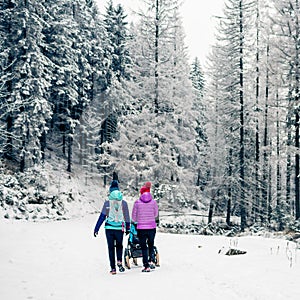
<point>115,176</point>
<point>114,186</point>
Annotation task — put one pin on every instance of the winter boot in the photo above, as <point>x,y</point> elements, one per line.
<point>146,270</point>
<point>152,265</point>
<point>121,268</point>
<point>113,271</point>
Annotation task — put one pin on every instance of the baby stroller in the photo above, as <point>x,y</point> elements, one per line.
<point>134,250</point>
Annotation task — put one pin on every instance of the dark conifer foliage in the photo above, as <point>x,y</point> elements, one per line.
<point>25,77</point>
<point>49,60</point>
<point>197,77</point>
<point>116,55</point>
<point>84,86</point>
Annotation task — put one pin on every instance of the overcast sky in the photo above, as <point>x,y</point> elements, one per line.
<point>198,22</point>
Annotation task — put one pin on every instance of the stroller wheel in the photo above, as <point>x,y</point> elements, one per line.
<point>126,258</point>
<point>157,264</point>
<point>127,262</point>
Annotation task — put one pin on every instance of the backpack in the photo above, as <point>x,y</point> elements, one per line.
<point>115,213</point>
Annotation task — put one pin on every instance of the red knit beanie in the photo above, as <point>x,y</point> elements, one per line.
<point>143,190</point>
<point>148,184</point>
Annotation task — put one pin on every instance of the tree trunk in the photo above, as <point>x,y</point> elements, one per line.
<point>257,200</point>
<point>70,152</point>
<point>156,99</point>
<point>297,194</point>
<point>228,212</point>
<point>23,156</point>
<point>211,210</point>
<point>269,194</point>
<point>242,146</point>
<point>297,198</point>
<point>264,211</point>
<point>288,196</point>
<point>280,207</point>
<point>229,192</point>
<point>43,141</point>
<point>9,141</point>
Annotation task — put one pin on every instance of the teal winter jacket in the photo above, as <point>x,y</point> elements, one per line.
<point>110,222</point>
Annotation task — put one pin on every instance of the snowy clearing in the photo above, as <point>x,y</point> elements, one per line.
<point>62,260</point>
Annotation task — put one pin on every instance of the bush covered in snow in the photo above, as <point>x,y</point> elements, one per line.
<point>46,192</point>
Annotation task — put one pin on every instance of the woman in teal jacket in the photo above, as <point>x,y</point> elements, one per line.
<point>115,213</point>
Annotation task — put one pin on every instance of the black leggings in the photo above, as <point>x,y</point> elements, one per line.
<point>146,237</point>
<point>114,239</point>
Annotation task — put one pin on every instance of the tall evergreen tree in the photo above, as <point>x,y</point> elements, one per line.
<point>233,39</point>
<point>116,81</point>
<point>68,46</point>
<point>25,73</point>
<point>91,63</point>
<point>197,78</point>
<point>158,140</point>
<point>116,52</point>
<point>221,117</point>
<point>287,21</point>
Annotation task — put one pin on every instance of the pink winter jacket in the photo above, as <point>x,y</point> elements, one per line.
<point>144,212</point>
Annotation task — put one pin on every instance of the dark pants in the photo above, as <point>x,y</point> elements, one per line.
<point>146,237</point>
<point>114,239</point>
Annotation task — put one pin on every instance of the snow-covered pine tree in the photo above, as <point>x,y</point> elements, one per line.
<point>220,154</point>
<point>200,107</point>
<point>25,81</point>
<point>158,142</point>
<point>92,37</point>
<point>115,79</point>
<point>7,111</point>
<point>69,90</point>
<point>263,114</point>
<point>197,77</point>
<point>233,39</point>
<point>287,30</point>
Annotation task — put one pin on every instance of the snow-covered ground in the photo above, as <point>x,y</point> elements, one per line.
<point>62,260</point>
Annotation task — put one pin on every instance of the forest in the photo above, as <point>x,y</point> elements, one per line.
<point>97,90</point>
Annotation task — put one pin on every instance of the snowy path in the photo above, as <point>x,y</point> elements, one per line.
<point>62,260</point>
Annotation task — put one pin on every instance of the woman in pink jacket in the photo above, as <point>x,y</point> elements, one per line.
<point>144,212</point>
